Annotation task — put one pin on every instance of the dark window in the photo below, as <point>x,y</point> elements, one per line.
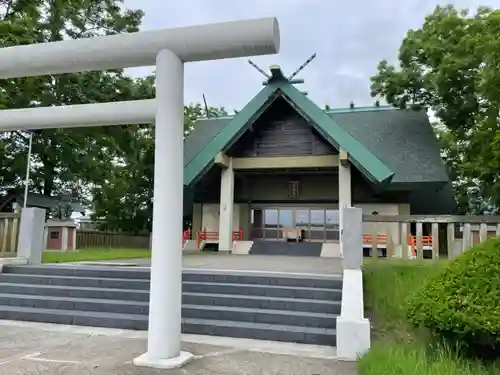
<point>54,235</point>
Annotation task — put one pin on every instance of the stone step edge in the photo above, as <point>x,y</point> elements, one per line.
<point>305,314</point>
<point>188,271</point>
<point>144,303</point>
<point>263,286</point>
<point>144,318</point>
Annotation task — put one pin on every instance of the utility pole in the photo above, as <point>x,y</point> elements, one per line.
<point>28,169</point>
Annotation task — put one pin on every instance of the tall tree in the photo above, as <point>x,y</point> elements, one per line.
<point>124,198</point>
<point>63,158</point>
<point>450,66</point>
<point>195,111</point>
<point>114,165</point>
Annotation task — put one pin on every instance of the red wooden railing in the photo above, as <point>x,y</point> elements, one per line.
<point>381,239</point>
<point>426,243</point>
<point>186,235</point>
<point>238,235</point>
<point>206,236</point>
<point>214,236</point>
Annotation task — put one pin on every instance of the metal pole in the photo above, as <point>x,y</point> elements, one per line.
<point>28,168</point>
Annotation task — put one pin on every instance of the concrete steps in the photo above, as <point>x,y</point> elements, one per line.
<point>276,307</point>
<point>312,249</point>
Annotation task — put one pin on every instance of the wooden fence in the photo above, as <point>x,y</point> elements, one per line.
<point>9,233</point>
<point>110,240</point>
<point>425,236</point>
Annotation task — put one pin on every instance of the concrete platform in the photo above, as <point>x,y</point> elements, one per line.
<point>265,263</point>
<point>33,348</point>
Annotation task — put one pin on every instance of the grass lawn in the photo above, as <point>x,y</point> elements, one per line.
<point>93,254</point>
<point>397,349</point>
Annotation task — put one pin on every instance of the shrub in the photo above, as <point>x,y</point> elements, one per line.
<point>462,302</point>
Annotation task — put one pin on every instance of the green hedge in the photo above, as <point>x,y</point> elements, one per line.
<point>462,302</point>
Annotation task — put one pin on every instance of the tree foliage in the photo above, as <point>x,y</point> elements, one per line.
<point>112,167</point>
<point>125,196</point>
<point>450,66</point>
<point>63,159</point>
<point>461,302</point>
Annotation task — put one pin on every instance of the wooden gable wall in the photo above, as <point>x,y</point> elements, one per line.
<point>281,131</point>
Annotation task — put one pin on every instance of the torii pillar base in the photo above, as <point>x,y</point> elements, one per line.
<point>163,364</point>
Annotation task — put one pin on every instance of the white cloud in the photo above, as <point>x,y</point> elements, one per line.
<point>350,38</point>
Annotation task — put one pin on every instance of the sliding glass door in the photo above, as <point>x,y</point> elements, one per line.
<point>332,225</point>
<point>302,219</point>
<point>316,224</point>
<point>271,226</point>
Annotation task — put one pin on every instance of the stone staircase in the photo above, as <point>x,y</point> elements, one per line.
<point>276,307</point>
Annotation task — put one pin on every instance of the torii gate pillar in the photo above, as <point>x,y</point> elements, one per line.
<point>164,337</point>
<point>170,49</point>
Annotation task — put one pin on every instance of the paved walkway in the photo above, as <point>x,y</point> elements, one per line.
<point>266,263</point>
<point>36,349</point>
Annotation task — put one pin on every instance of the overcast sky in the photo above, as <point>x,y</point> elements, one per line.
<point>350,37</point>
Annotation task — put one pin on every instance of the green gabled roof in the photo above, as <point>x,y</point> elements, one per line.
<point>403,139</point>
<point>235,127</point>
<point>203,133</point>
<point>195,163</point>
<point>369,164</point>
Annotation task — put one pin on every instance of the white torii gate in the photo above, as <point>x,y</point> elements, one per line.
<point>169,50</point>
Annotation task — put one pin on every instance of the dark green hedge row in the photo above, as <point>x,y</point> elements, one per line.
<point>462,302</point>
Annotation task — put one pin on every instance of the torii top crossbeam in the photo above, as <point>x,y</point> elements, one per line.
<point>193,43</point>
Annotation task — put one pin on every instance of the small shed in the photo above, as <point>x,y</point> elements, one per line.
<point>60,235</point>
